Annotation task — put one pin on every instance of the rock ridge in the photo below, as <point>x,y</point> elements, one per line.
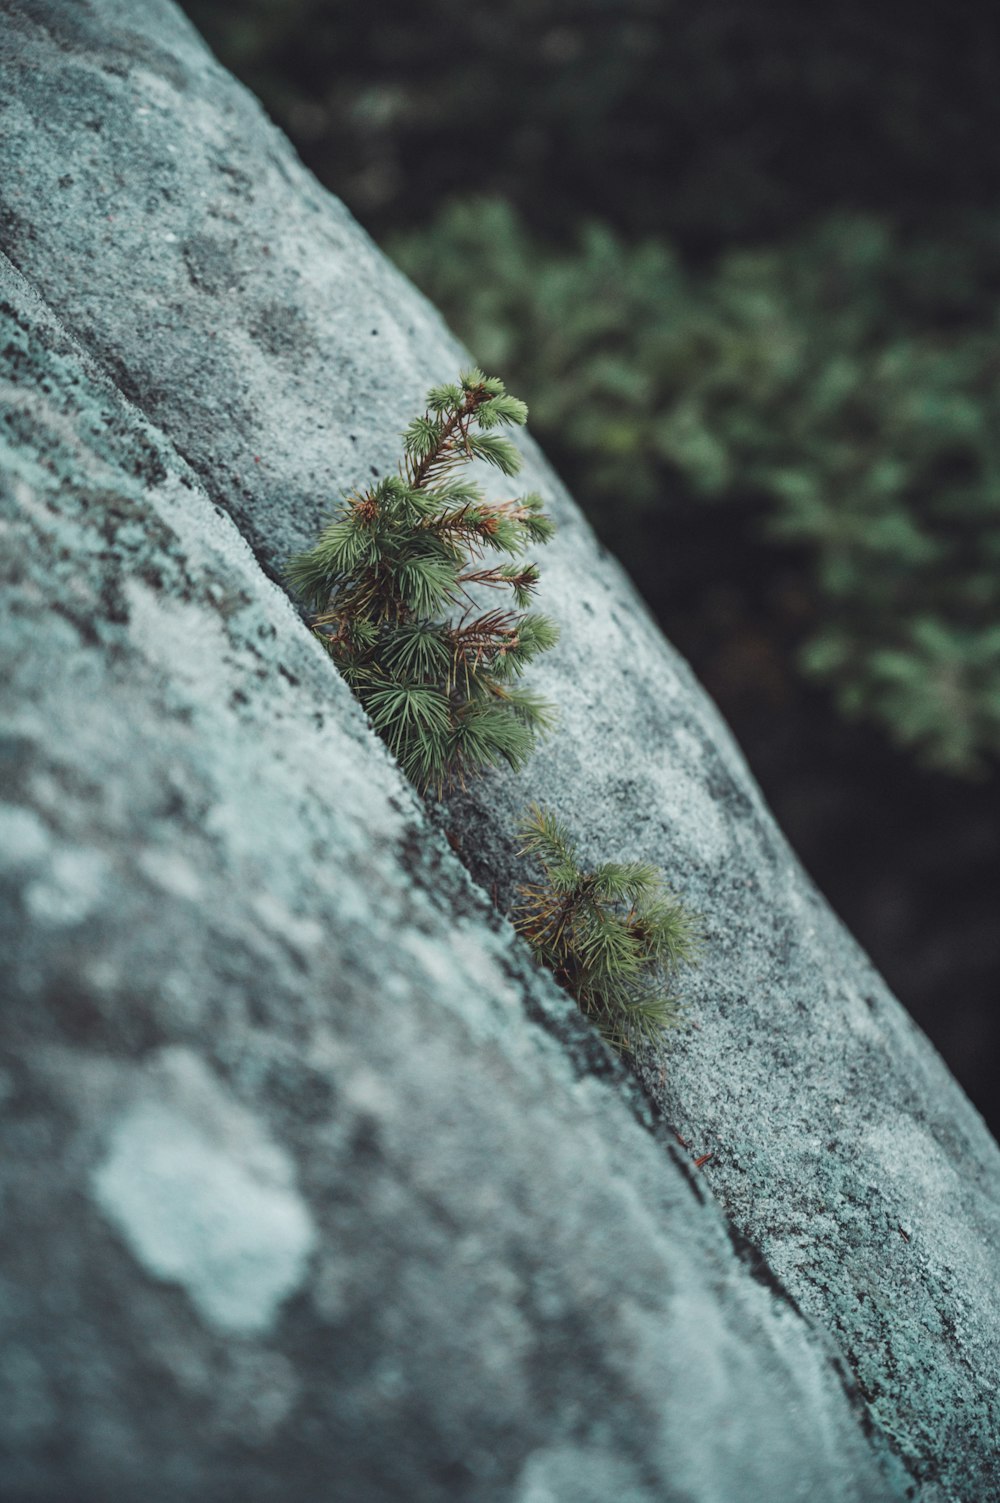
<point>220,898</point>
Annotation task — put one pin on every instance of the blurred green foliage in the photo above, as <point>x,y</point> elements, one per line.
<point>849,379</point>
<point>787,424</point>
<point>652,257</point>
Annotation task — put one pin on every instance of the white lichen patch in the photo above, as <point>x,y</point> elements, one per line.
<point>24,839</point>
<point>71,888</point>
<point>171,872</point>
<point>304,934</point>
<point>583,1473</point>
<point>204,1198</point>
<point>186,641</point>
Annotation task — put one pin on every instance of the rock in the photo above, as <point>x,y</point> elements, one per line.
<point>302,1196</point>
<point>408,1230</point>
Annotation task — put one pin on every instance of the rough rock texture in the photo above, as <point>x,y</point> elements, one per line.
<point>312,1186</point>
<point>301,1198</point>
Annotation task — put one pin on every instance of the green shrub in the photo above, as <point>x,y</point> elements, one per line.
<point>393,580</point>
<point>848,381</point>
<point>612,936</point>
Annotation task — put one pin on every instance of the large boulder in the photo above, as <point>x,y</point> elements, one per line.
<point>313,1185</point>
<point>302,1199</point>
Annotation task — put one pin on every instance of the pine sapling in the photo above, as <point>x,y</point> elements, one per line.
<point>612,936</point>
<point>396,584</point>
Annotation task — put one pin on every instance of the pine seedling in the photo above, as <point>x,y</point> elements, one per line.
<point>395,579</point>
<point>612,936</point>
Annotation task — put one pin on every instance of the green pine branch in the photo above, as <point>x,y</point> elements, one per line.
<point>393,580</point>
<point>396,583</point>
<point>613,937</point>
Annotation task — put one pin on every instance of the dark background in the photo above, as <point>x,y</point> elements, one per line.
<point>743,262</point>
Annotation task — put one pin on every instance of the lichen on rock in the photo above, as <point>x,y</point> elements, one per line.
<point>505,1269</point>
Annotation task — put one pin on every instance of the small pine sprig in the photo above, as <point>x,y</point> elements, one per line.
<point>612,936</point>
<point>393,580</point>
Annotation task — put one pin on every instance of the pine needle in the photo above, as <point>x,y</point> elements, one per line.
<point>613,936</point>
<point>390,583</point>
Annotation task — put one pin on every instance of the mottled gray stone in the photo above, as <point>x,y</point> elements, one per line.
<point>303,1196</point>
<point>491,1275</point>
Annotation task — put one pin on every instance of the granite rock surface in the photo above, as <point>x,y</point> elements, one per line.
<point>313,1185</point>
